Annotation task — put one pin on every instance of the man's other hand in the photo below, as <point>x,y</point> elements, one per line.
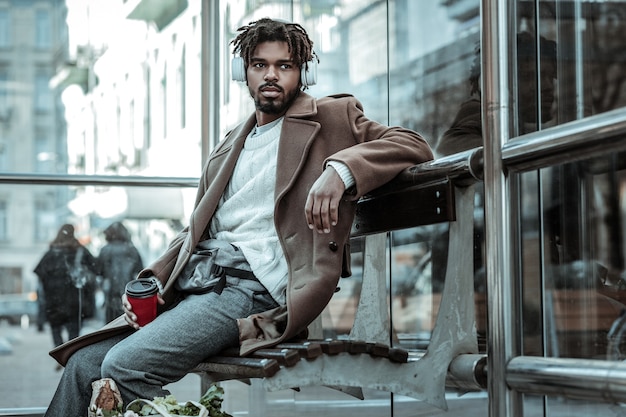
<point>322,204</point>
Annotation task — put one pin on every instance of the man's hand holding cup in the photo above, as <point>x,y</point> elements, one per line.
<point>140,302</point>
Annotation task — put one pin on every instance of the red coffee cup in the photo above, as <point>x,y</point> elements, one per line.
<point>142,296</point>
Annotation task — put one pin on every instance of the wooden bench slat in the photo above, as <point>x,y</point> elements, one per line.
<point>307,349</point>
<point>267,362</point>
<point>331,346</point>
<point>378,349</point>
<point>356,346</point>
<point>284,357</point>
<point>398,355</point>
<point>240,367</point>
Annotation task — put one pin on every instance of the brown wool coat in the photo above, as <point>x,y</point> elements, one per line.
<point>313,132</point>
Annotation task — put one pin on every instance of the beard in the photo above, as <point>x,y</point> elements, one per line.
<point>274,106</point>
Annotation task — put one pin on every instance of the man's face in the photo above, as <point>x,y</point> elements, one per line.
<point>273,80</point>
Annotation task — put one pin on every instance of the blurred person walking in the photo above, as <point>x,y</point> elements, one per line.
<point>119,262</point>
<point>63,272</point>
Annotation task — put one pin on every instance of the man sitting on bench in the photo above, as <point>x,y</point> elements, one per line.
<point>275,204</point>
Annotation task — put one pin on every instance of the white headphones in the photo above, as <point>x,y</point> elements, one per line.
<point>308,73</point>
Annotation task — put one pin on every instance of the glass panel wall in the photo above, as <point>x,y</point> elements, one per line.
<point>432,66</point>
<point>571,214</point>
<point>96,99</point>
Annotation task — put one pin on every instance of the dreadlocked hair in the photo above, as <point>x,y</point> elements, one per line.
<point>268,30</point>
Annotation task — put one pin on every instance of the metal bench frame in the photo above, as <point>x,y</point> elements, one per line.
<point>365,359</point>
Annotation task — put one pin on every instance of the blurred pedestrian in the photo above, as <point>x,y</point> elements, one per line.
<point>41,308</point>
<point>63,272</point>
<point>119,262</point>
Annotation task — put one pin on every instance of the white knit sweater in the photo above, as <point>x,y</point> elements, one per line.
<point>245,215</point>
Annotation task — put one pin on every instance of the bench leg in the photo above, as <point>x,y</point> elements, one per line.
<point>371,322</point>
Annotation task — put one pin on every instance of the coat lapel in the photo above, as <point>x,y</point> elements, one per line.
<point>218,172</point>
<point>296,138</point>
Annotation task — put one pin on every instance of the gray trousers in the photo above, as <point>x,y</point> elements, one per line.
<point>164,351</point>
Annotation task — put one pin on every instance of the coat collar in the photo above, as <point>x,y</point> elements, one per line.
<point>303,106</point>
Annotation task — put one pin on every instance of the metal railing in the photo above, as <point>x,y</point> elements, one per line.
<point>22,412</point>
<point>569,142</point>
<point>91,180</point>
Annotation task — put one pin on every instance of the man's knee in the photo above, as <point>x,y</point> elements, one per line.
<point>112,364</point>
<point>123,361</point>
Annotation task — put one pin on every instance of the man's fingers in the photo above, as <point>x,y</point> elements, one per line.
<point>322,205</point>
<point>334,211</point>
<point>313,211</point>
<point>323,215</point>
<point>129,316</point>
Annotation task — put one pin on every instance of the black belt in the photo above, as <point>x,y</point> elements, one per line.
<point>224,271</point>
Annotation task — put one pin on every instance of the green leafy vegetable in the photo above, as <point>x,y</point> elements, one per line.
<point>212,400</point>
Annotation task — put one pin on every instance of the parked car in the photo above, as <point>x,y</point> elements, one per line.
<point>17,308</point>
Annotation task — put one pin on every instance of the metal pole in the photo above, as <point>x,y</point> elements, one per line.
<point>580,379</point>
<point>501,344</point>
<point>210,76</point>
